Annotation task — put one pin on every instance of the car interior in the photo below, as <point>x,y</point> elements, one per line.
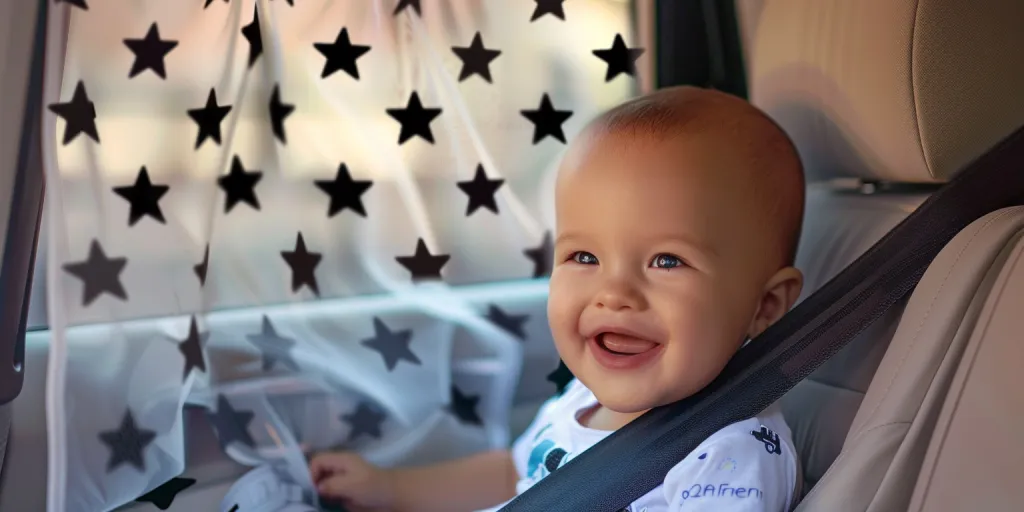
<point>885,100</point>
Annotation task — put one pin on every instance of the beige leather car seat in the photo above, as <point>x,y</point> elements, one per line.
<point>894,95</point>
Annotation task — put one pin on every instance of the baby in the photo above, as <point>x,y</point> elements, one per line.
<point>677,218</point>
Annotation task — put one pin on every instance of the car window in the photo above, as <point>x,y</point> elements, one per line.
<point>335,121</point>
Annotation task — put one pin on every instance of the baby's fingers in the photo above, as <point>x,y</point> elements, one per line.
<point>336,487</point>
<point>325,464</point>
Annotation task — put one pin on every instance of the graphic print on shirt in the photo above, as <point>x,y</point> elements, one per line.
<point>770,439</point>
<point>545,457</point>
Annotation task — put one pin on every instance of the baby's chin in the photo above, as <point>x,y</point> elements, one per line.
<point>626,401</point>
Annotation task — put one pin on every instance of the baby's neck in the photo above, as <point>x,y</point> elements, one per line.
<point>603,418</point>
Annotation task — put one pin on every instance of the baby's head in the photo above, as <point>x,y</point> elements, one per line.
<point>678,216</point>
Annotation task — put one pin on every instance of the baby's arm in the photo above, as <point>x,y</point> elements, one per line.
<point>463,485</point>
<point>733,472</point>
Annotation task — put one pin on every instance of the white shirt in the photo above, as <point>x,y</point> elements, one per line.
<point>749,466</point>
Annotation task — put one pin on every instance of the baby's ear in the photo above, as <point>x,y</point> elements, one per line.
<point>780,293</point>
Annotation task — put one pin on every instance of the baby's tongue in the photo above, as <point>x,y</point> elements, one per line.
<point>625,344</point>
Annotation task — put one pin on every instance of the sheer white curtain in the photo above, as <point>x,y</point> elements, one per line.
<point>197,255</point>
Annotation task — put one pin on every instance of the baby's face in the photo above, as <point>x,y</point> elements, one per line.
<point>659,267</point>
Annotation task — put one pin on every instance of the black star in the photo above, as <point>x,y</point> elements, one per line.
<point>162,497</point>
<point>79,115</point>
<point>150,52</point>
<point>393,346</point>
<point>278,112</point>
<point>476,59</point>
<point>415,119</point>
<point>275,348</point>
<point>99,274</point>
<point>542,256</point>
<point>341,54</point>
<point>547,121</point>
<point>619,58</point>
<point>77,3</point>
<point>252,34</point>
<point>192,348</point>
<point>481,191</point>
<point>209,118</point>
<point>303,264</point>
<point>345,192</point>
<point>366,419</point>
<point>513,324</point>
<point>239,185</point>
<point>423,265</point>
<point>464,407</point>
<point>561,377</point>
<point>144,198</point>
<point>127,443</point>
<point>231,425</point>
<point>402,4</point>
<point>553,7</point>
<point>203,266</point>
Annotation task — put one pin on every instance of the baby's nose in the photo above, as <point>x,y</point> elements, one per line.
<point>619,295</point>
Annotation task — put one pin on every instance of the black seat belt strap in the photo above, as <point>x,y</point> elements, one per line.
<point>635,459</point>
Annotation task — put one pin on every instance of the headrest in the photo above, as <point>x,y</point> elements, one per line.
<point>892,90</point>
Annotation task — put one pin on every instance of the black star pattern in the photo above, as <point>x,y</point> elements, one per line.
<point>163,496</point>
<point>344,192</point>
<point>481,191</point>
<point>239,185</point>
<point>99,274</point>
<point>547,121</point>
<point>150,52</point>
<point>274,347</point>
<point>127,443</point>
<point>77,3</point>
<point>341,54</point>
<point>192,348</point>
<point>561,377</point>
<point>513,324</point>
<point>464,407</point>
<point>252,34</point>
<point>303,264</point>
<point>144,198</point>
<point>209,118</point>
<point>542,256</point>
<point>79,115</point>
<point>552,7</point>
<point>278,113</point>
<point>403,4</point>
<point>393,346</point>
<point>619,58</point>
<point>231,425</point>
<point>202,267</point>
<point>423,265</point>
<point>476,59</point>
<point>415,119</point>
<point>366,419</point>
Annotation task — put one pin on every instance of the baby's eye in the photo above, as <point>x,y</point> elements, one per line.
<point>584,258</point>
<point>666,261</point>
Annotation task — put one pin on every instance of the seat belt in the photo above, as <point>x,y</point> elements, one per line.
<point>635,459</point>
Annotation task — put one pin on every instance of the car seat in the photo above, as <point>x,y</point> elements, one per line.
<point>884,99</point>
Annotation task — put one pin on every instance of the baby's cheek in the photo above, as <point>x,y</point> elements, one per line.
<point>564,309</point>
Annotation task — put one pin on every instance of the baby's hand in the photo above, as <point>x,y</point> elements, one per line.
<point>346,477</point>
